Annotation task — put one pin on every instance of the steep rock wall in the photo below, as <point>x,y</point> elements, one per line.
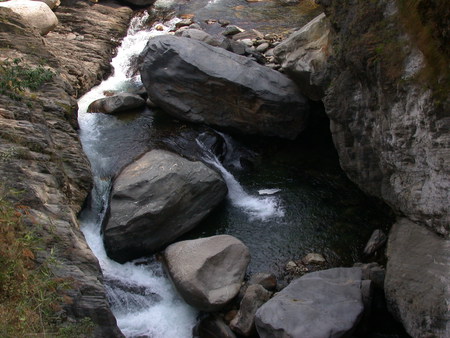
<point>41,159</point>
<point>389,114</point>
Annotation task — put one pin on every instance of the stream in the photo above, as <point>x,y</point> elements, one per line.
<point>288,199</point>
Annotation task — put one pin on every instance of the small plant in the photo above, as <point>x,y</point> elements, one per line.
<point>15,78</point>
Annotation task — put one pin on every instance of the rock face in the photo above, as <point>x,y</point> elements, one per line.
<point>116,103</point>
<point>303,56</point>
<point>45,160</point>
<point>391,132</point>
<point>207,272</point>
<point>417,284</point>
<point>200,83</point>
<point>155,200</point>
<point>35,13</point>
<point>325,303</point>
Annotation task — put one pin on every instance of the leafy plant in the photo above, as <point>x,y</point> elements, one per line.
<point>15,78</point>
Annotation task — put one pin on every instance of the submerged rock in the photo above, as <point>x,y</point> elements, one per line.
<point>200,83</point>
<point>116,103</point>
<point>155,200</point>
<point>208,272</point>
<point>417,284</point>
<point>326,303</point>
<point>36,13</point>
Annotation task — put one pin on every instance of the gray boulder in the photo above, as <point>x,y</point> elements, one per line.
<point>116,103</point>
<point>417,284</point>
<point>207,272</point>
<point>303,56</point>
<point>199,35</point>
<point>155,200</point>
<point>194,81</point>
<point>244,322</point>
<point>325,303</point>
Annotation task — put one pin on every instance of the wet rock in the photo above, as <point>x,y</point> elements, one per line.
<point>116,103</point>
<point>225,89</point>
<point>234,46</point>
<point>244,322</point>
<point>37,14</point>
<point>326,303</point>
<point>303,56</point>
<point>140,3</point>
<point>155,200</point>
<point>200,35</point>
<point>376,241</point>
<point>213,327</point>
<point>266,280</point>
<point>184,23</point>
<point>248,34</point>
<point>207,272</point>
<point>417,284</point>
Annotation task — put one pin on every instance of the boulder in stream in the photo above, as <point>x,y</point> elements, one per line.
<point>325,303</point>
<point>207,272</point>
<point>155,200</point>
<point>116,103</point>
<point>194,81</point>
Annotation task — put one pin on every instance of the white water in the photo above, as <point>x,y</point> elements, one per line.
<point>142,299</point>
<point>260,208</point>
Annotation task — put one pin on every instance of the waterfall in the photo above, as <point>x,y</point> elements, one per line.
<point>259,208</point>
<point>142,299</point>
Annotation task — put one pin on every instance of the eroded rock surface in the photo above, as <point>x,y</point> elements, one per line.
<point>155,200</point>
<point>417,283</point>
<point>194,81</point>
<point>325,303</point>
<point>116,103</point>
<point>40,154</point>
<point>207,272</point>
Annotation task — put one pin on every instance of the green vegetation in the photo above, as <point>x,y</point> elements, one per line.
<point>15,78</point>
<point>29,293</point>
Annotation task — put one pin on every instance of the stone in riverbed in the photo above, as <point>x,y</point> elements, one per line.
<point>35,13</point>
<point>200,83</point>
<point>155,200</point>
<point>417,284</point>
<point>116,103</point>
<point>207,272</point>
<point>200,35</point>
<point>325,303</point>
<point>376,241</point>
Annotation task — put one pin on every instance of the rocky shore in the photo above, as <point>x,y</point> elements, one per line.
<point>390,131</point>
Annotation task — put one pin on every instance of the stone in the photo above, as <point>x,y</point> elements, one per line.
<point>200,35</point>
<point>207,272</point>
<point>314,258</point>
<point>140,3</point>
<point>417,284</point>
<point>36,13</point>
<point>116,103</point>
<point>210,85</point>
<point>248,34</point>
<point>374,272</point>
<point>156,199</point>
<point>304,54</point>
<point>325,303</point>
<point>51,3</point>
<point>262,48</point>
<point>234,46</point>
<point>244,322</point>
<point>231,30</point>
<point>213,327</point>
<point>184,23</point>
<point>376,241</point>
<point>266,280</point>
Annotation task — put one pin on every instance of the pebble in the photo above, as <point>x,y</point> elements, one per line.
<point>262,47</point>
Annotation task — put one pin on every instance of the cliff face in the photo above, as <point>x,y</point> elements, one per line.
<point>388,103</point>
<point>40,153</point>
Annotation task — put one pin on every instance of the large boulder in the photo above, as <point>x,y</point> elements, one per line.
<point>116,103</point>
<point>155,200</point>
<point>207,272</point>
<point>325,303</point>
<point>194,81</point>
<point>35,13</point>
<point>303,56</point>
<point>417,283</point>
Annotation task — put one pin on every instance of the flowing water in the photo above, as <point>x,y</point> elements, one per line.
<point>285,206</point>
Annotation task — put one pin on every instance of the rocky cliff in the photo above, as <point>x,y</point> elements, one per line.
<point>387,83</point>
<point>41,160</point>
